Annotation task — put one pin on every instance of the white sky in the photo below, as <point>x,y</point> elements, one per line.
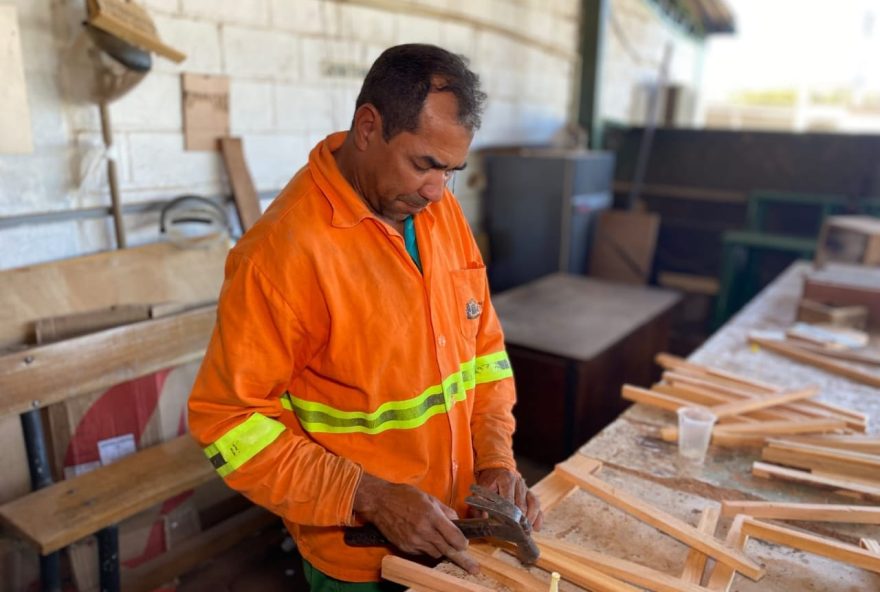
<point>821,44</point>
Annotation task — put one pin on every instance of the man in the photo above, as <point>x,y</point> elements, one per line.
<point>357,371</point>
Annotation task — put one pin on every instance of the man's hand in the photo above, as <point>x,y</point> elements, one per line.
<point>412,520</point>
<point>511,486</point>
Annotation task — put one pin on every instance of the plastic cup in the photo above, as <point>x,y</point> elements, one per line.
<point>694,432</point>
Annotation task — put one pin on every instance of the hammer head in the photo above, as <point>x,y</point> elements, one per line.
<point>508,522</point>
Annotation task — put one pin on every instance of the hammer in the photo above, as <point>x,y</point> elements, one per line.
<point>505,521</point>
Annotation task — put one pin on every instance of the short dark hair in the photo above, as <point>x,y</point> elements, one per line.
<point>401,78</point>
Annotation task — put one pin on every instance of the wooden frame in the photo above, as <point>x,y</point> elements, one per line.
<point>662,521</point>
<point>409,573</point>
<point>722,575</point>
<point>695,563</point>
<point>579,573</point>
<point>47,374</point>
<point>554,488</point>
<point>805,512</point>
<point>622,569</point>
<point>830,548</point>
<point>836,461</point>
<point>516,578</point>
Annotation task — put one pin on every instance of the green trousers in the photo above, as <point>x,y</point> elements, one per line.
<point>321,582</point>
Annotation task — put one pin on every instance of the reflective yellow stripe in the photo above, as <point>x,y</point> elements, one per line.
<point>243,442</point>
<point>407,414</point>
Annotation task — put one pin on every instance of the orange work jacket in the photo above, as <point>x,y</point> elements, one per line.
<point>333,355</point>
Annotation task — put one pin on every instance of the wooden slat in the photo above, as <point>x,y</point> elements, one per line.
<point>854,443</point>
<point>663,522</point>
<point>409,573</point>
<point>830,548</point>
<point>749,405</point>
<point>671,362</point>
<point>621,569</point>
<point>132,23</point>
<point>696,561</point>
<point>803,426</point>
<point>194,551</point>
<point>47,374</point>
<point>652,398</point>
<point>516,578</point>
<point>839,485</point>
<point>818,361</point>
<point>581,574</point>
<point>723,575</point>
<point>58,328</point>
<point>247,201</point>
<point>67,511</point>
<point>859,356</point>
<point>805,512</point>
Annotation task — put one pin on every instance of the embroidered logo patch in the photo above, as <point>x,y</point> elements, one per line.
<point>473,309</point>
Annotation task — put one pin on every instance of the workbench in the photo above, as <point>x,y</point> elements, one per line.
<point>636,460</point>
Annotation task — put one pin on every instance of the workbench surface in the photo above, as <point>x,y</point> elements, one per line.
<point>636,460</point>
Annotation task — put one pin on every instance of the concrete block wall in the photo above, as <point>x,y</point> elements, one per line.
<point>634,45</point>
<point>295,67</point>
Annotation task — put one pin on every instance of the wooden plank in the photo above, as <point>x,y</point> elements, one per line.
<point>695,563</point>
<point>805,512</point>
<point>728,440</point>
<point>409,573</point>
<point>840,485</point>
<point>61,327</point>
<point>194,551</point>
<point>723,575</point>
<point>553,489</point>
<point>663,522</point>
<point>628,571</point>
<point>516,578</point>
<point>15,116</point>
<point>47,374</point>
<point>58,515</point>
<point>818,361</point>
<point>247,201</point>
<point>161,272</point>
<point>205,110</point>
<point>652,398</point>
<point>579,573</point>
<point>748,405</point>
<point>132,23</point>
<point>870,545</point>
<point>811,543</point>
<point>810,311</point>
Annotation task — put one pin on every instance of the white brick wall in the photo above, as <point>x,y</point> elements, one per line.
<point>295,68</point>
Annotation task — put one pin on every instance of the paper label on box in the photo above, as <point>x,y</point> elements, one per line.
<point>112,449</point>
<point>81,469</point>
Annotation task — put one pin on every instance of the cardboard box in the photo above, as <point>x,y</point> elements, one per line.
<point>849,239</point>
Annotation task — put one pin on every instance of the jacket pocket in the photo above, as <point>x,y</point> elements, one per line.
<point>470,295</point>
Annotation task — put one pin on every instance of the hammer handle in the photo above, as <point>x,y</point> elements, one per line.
<point>369,535</point>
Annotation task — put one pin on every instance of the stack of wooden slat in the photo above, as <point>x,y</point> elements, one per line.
<point>849,465</point>
<point>749,412</point>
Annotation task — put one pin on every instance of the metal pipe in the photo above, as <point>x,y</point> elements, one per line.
<point>108,558</point>
<point>41,476</point>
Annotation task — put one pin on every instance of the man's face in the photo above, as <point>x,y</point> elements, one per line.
<point>407,173</point>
